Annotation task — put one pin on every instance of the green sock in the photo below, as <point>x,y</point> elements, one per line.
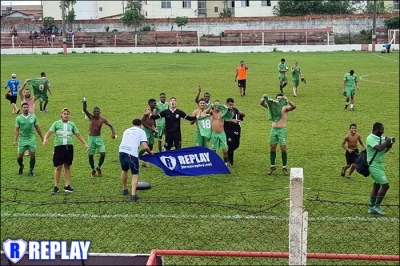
<point>32,163</point>
<point>101,161</point>
<point>91,162</point>
<point>284,158</point>
<point>372,202</point>
<point>141,152</point>
<point>378,201</point>
<point>226,159</point>
<point>272,157</point>
<point>20,161</point>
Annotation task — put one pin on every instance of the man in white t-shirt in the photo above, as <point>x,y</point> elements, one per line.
<point>128,155</point>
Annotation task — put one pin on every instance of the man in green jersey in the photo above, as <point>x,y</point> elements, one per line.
<point>377,147</point>
<point>40,88</point>
<point>206,98</point>
<point>149,127</point>
<point>202,134</point>
<point>63,154</point>
<point>296,74</point>
<point>349,88</point>
<point>282,69</point>
<point>160,123</point>
<point>24,125</point>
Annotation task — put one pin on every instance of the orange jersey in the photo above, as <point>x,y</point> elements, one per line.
<point>242,72</point>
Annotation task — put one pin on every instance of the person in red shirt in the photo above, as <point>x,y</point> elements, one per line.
<point>241,76</point>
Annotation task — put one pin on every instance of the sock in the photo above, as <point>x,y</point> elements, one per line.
<point>280,87</point>
<point>284,158</point>
<point>44,106</point>
<point>272,157</point>
<point>32,163</point>
<point>41,107</point>
<point>91,162</point>
<point>20,161</point>
<point>372,202</point>
<point>378,201</point>
<point>347,103</point>
<point>230,156</point>
<point>225,159</point>
<point>351,105</point>
<point>101,161</point>
<point>141,152</point>
<point>284,84</point>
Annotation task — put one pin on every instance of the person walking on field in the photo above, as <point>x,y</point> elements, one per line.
<point>13,85</point>
<point>278,110</point>
<point>351,150</point>
<point>296,74</point>
<point>377,147</point>
<point>282,69</point>
<point>350,84</point>
<point>241,77</point>
<point>95,141</point>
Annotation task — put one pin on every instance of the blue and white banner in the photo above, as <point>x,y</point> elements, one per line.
<point>190,161</point>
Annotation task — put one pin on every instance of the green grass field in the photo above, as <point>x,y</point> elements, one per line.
<point>246,210</point>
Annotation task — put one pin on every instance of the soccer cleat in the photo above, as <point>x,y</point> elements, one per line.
<point>345,106</point>
<point>232,165</point>
<point>20,170</point>
<point>134,198</point>
<point>351,109</point>
<point>93,174</point>
<point>285,171</point>
<point>272,169</point>
<point>377,210</point>
<point>99,173</point>
<point>244,93</point>
<point>125,192</point>
<point>370,209</point>
<point>55,190</point>
<point>69,189</point>
<point>31,174</point>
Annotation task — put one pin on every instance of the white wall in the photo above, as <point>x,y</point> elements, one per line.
<point>254,9</point>
<point>86,10</point>
<point>154,10</point>
<point>216,49</point>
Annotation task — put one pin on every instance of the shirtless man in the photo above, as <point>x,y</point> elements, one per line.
<point>351,150</point>
<point>279,132</point>
<point>218,136</point>
<point>95,141</point>
<point>149,127</point>
<point>26,97</point>
<point>202,134</point>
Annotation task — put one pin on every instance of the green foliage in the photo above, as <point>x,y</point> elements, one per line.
<point>222,34</point>
<point>225,13</point>
<point>148,28</point>
<point>380,7</point>
<point>107,28</point>
<point>67,4</point>
<point>48,22</point>
<point>200,51</point>
<point>181,21</point>
<point>114,30</point>
<point>392,23</point>
<point>133,16</point>
<point>302,8</point>
<point>71,16</point>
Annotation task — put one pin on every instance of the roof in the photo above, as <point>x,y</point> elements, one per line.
<point>34,10</point>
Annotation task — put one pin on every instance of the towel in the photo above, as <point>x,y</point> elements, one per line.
<point>275,108</point>
<point>225,114</point>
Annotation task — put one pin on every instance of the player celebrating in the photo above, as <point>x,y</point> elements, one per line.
<point>351,150</point>
<point>202,134</point>
<point>160,123</point>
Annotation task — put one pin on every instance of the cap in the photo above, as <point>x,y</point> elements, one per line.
<point>13,75</point>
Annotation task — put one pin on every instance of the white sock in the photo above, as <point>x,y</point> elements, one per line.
<point>351,105</point>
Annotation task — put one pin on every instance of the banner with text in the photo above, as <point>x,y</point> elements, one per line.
<point>190,161</point>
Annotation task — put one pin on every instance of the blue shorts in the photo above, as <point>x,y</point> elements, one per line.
<point>129,162</point>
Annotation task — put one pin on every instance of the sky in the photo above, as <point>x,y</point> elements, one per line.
<point>14,3</point>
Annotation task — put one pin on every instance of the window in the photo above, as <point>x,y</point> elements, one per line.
<point>266,3</point>
<point>216,9</point>
<point>396,4</point>
<point>165,4</point>
<point>187,4</point>
<point>245,3</point>
<point>201,7</point>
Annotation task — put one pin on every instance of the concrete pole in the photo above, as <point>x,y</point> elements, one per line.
<point>374,28</point>
<point>63,27</point>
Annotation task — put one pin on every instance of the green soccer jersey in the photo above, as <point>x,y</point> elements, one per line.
<point>161,107</point>
<point>26,125</point>
<point>64,132</point>
<point>39,85</point>
<point>204,123</point>
<point>207,105</point>
<point>296,74</point>
<point>372,141</point>
<point>350,80</point>
<point>282,67</point>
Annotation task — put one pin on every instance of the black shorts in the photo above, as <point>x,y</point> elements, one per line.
<point>13,99</point>
<point>232,139</point>
<point>242,83</point>
<point>63,154</point>
<point>351,157</point>
<point>173,139</point>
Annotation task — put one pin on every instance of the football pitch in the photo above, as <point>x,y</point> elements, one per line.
<point>246,210</point>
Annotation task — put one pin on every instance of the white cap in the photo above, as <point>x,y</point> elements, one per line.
<point>13,75</point>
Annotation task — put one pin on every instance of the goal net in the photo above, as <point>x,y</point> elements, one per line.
<point>393,36</point>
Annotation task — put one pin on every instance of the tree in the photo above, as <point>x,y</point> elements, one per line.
<point>181,21</point>
<point>133,15</point>
<point>70,15</point>
<point>380,7</point>
<point>48,22</point>
<point>302,8</point>
<point>392,23</point>
<point>225,13</point>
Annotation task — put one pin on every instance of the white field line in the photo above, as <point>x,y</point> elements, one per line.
<point>185,217</point>
<point>379,82</point>
<point>386,58</point>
